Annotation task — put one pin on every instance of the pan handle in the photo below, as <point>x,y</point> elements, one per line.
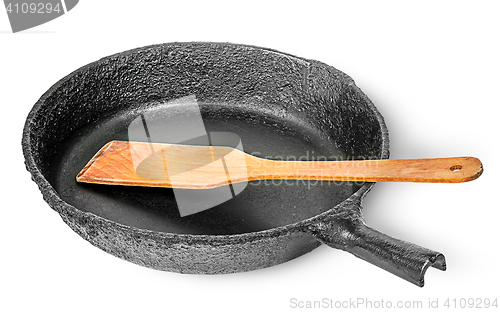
<point>351,234</point>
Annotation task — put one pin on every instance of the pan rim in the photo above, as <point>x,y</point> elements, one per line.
<point>58,204</point>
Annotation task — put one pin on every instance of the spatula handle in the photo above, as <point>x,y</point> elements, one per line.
<point>437,170</point>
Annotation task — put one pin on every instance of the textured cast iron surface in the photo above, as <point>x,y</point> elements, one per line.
<point>254,84</point>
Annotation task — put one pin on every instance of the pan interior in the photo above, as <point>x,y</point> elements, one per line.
<point>261,205</point>
<point>280,106</point>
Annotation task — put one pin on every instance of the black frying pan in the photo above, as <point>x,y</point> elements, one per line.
<point>279,105</point>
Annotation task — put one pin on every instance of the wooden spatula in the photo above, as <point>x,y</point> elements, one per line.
<point>187,166</point>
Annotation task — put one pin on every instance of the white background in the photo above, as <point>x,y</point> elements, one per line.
<point>432,69</point>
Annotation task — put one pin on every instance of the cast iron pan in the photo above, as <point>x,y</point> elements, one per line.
<point>279,105</point>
